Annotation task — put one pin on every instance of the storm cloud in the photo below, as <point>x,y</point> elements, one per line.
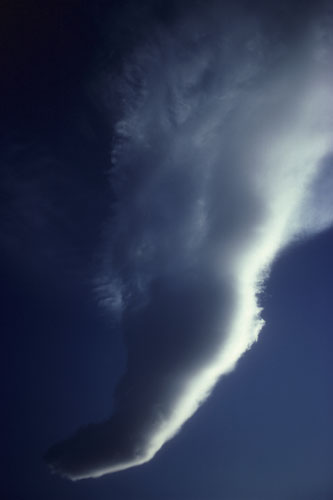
<point>220,160</point>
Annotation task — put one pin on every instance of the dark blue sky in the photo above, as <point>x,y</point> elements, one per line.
<point>266,431</point>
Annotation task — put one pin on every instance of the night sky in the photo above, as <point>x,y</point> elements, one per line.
<point>141,164</point>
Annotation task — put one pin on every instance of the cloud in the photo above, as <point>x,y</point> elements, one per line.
<point>220,160</point>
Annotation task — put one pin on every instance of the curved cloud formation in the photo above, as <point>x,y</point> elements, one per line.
<point>221,159</point>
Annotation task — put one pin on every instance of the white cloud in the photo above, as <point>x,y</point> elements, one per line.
<point>218,165</point>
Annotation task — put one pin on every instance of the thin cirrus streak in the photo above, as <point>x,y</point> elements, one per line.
<point>220,160</point>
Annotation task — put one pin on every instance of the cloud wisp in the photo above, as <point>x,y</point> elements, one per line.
<point>220,160</point>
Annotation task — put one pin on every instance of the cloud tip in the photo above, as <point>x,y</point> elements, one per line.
<point>55,460</point>
<point>96,450</point>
